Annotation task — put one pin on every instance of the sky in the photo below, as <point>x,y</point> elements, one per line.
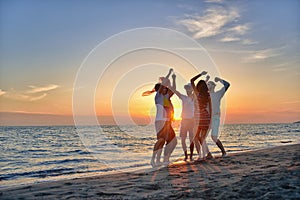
<point>255,45</point>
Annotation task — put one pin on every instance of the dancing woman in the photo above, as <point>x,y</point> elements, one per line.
<point>163,120</point>
<point>202,115</point>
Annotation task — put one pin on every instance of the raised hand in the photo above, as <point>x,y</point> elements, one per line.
<point>170,72</point>
<point>217,79</point>
<point>203,73</point>
<point>207,78</point>
<point>174,76</point>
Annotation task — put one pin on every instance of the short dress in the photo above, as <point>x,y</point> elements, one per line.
<point>201,114</point>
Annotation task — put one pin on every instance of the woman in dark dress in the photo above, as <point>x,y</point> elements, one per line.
<point>202,115</point>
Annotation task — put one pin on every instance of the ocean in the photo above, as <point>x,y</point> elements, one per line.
<point>40,154</point>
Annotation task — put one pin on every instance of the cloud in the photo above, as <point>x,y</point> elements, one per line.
<point>290,102</point>
<point>233,33</point>
<point>215,21</point>
<point>290,65</point>
<point>211,23</point>
<point>261,55</point>
<point>29,95</point>
<point>38,97</point>
<point>240,29</point>
<point>281,67</point>
<point>214,1</point>
<point>230,39</point>
<point>35,89</point>
<point>249,42</point>
<point>2,92</point>
<point>23,97</point>
<point>250,56</point>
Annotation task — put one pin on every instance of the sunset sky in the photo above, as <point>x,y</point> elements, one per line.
<point>255,45</point>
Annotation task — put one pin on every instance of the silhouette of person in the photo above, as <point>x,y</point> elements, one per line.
<point>187,121</point>
<point>216,97</point>
<point>202,115</point>
<point>163,120</point>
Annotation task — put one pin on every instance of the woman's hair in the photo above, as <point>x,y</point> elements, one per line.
<point>157,86</point>
<point>155,89</point>
<point>149,92</point>
<point>203,91</point>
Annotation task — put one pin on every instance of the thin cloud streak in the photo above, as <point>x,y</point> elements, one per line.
<point>35,89</point>
<point>23,97</point>
<point>249,42</point>
<point>29,95</point>
<point>290,102</point>
<point>250,56</point>
<point>285,67</point>
<point>214,1</point>
<point>261,55</point>
<point>230,39</point>
<point>38,97</point>
<point>2,92</point>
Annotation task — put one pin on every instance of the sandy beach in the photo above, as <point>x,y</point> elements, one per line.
<point>262,174</point>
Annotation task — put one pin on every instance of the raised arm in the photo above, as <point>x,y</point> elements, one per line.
<point>225,83</point>
<point>173,87</point>
<point>165,81</point>
<point>173,82</point>
<point>207,78</point>
<point>169,73</point>
<point>195,78</point>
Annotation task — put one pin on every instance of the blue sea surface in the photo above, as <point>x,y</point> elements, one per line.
<point>39,154</point>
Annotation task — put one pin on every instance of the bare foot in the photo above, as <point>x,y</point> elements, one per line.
<point>191,158</point>
<point>165,163</point>
<point>199,159</point>
<point>158,163</point>
<point>209,156</point>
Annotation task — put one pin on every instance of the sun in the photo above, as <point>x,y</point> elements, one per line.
<point>140,106</point>
<point>177,113</point>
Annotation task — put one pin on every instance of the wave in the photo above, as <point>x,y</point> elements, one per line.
<point>76,160</point>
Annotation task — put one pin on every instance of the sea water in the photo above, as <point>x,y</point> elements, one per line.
<point>38,154</point>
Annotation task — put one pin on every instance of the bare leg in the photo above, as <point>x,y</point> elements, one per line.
<point>191,150</point>
<point>205,149</point>
<point>196,140</point>
<point>183,143</point>
<point>198,147</point>
<point>169,149</point>
<point>191,137</point>
<point>191,156</point>
<point>220,145</point>
<point>158,155</point>
<point>157,147</point>
<point>152,162</point>
<point>171,143</point>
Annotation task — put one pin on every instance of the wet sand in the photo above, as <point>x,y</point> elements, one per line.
<point>262,174</point>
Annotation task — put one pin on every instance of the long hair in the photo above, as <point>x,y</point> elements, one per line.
<point>149,92</point>
<point>203,92</point>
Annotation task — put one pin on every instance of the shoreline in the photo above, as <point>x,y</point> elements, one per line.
<point>264,173</point>
<point>143,169</point>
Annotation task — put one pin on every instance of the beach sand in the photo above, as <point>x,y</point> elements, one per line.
<point>262,174</point>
